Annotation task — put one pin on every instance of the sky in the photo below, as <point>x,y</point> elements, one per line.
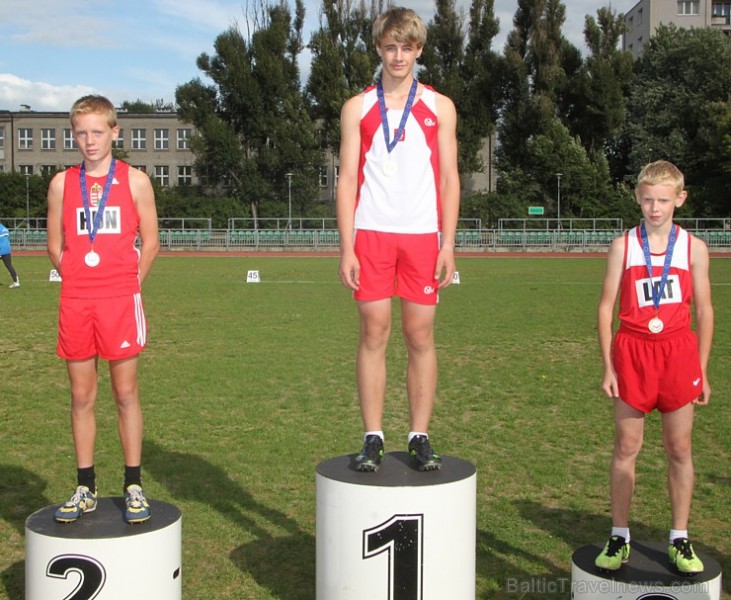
<point>54,51</point>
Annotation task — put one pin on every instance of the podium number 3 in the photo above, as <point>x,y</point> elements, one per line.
<point>401,537</point>
<point>91,572</point>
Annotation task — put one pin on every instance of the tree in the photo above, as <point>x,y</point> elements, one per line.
<point>482,71</point>
<point>343,63</point>
<point>594,107</point>
<point>252,123</point>
<point>681,85</point>
<point>140,107</point>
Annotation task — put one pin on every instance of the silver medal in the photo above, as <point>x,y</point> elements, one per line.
<point>91,259</point>
<point>389,167</point>
<point>655,325</point>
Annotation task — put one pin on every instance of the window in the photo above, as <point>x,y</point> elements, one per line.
<point>139,139</point>
<point>119,142</point>
<point>48,139</point>
<point>630,24</point>
<point>48,169</point>
<point>162,174</point>
<point>69,141</point>
<point>25,139</point>
<point>142,168</point>
<point>184,139</point>
<point>688,7</point>
<point>639,16</point>
<point>161,139</point>
<point>2,138</point>
<point>185,175</point>
<point>25,169</point>
<point>323,178</point>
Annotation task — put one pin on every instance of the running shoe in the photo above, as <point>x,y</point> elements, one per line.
<point>684,558</point>
<point>137,509</point>
<point>83,501</point>
<point>371,455</point>
<point>15,284</point>
<point>614,555</point>
<point>422,457</point>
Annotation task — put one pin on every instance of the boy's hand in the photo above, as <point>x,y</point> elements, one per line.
<point>445,267</point>
<point>350,271</point>
<point>705,397</point>
<point>609,384</point>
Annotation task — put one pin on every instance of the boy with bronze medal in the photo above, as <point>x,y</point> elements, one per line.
<point>655,360</point>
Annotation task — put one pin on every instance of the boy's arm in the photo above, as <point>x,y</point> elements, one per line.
<point>54,221</point>
<point>144,198</point>
<point>703,309</point>
<point>605,314</point>
<point>348,189</point>
<point>449,189</point>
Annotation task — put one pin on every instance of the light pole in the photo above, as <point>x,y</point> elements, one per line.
<point>558,197</point>
<point>289,192</point>
<point>27,201</point>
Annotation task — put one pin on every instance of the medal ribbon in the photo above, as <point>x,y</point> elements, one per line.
<point>94,228</point>
<point>657,292</point>
<point>390,145</point>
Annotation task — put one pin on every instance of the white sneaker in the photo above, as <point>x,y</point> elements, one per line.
<point>15,284</point>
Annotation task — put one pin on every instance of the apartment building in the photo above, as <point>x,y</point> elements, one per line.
<point>40,142</point>
<point>646,16</point>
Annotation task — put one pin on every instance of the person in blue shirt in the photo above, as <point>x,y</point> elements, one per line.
<point>5,253</point>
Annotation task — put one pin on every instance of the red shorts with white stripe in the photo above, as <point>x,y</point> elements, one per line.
<point>111,328</point>
<point>662,373</point>
<point>397,264</point>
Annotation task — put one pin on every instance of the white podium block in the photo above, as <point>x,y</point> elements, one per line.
<point>648,575</point>
<point>397,533</point>
<point>102,557</point>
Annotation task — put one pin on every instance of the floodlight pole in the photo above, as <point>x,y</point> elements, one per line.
<point>289,192</point>
<point>27,201</point>
<point>558,197</point>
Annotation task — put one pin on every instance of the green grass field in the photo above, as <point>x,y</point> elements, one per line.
<point>247,387</point>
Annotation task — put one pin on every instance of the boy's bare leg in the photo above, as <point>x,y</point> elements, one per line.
<point>83,380</point>
<point>417,323</point>
<point>629,434</point>
<point>375,330</point>
<point>124,388</point>
<point>677,427</point>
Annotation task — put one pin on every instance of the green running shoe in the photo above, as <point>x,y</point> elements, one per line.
<point>370,455</point>
<point>137,509</point>
<point>684,558</point>
<point>422,457</point>
<point>83,501</point>
<point>614,555</point>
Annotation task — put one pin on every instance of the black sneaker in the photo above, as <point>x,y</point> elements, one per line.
<point>370,456</point>
<point>422,457</point>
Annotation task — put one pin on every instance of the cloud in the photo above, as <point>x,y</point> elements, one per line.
<point>41,96</point>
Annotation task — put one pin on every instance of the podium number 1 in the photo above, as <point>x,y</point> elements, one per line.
<point>401,537</point>
<point>91,572</point>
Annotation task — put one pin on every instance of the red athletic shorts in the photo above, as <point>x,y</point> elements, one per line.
<point>111,328</point>
<point>662,373</point>
<point>397,264</point>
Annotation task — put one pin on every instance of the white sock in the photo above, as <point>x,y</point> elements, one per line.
<point>379,433</point>
<point>622,532</point>
<point>412,434</point>
<point>678,533</point>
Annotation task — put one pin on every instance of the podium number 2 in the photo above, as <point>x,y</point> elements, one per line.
<point>91,572</point>
<point>401,537</point>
